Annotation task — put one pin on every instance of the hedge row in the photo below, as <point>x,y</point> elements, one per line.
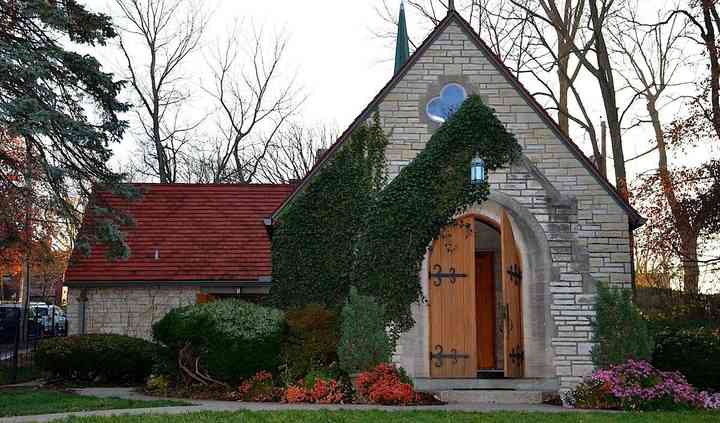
<point>104,358</point>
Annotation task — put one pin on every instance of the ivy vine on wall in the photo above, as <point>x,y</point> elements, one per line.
<point>350,228</point>
<point>315,239</point>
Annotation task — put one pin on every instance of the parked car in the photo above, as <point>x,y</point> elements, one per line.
<point>50,317</point>
<point>10,318</point>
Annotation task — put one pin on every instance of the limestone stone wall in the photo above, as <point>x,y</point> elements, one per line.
<point>126,311</point>
<point>584,233</point>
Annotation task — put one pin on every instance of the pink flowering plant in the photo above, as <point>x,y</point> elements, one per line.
<point>636,385</point>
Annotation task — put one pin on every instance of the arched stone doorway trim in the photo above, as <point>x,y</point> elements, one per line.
<point>536,257</point>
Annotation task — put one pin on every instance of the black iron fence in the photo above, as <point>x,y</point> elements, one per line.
<point>21,330</point>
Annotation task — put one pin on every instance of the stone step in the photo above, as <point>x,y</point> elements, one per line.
<point>491,396</point>
<point>521,384</point>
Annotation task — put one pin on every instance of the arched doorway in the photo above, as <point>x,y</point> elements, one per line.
<point>475,300</point>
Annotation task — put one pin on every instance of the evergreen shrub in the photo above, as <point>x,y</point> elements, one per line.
<point>693,352</point>
<point>233,339</point>
<point>620,331</point>
<point>364,341</point>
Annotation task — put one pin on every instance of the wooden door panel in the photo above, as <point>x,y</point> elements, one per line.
<point>453,330</point>
<point>512,288</point>
<point>485,300</point>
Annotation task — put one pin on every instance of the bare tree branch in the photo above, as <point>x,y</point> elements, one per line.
<point>167,31</point>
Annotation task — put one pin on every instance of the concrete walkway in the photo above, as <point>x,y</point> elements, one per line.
<point>202,405</point>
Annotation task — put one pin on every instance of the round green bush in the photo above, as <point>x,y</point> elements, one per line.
<point>693,352</point>
<point>312,340</point>
<point>233,339</point>
<point>97,357</point>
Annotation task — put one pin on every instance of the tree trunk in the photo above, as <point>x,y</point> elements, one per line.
<point>691,268</point>
<point>710,18</point>
<point>606,82</point>
<point>681,218</point>
<point>160,152</point>
<point>564,84</point>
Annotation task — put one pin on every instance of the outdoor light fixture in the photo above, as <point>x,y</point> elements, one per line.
<point>477,170</point>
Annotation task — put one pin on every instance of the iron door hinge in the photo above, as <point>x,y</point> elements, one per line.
<point>439,356</point>
<point>439,275</point>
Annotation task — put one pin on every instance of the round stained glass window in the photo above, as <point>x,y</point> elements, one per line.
<point>451,97</point>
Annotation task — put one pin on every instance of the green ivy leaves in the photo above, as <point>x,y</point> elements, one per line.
<point>349,228</point>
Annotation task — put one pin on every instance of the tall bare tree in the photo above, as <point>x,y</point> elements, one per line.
<point>654,58</point>
<point>704,19</point>
<point>254,99</point>
<point>593,53</point>
<point>156,38</point>
<point>295,152</point>
<point>560,30</point>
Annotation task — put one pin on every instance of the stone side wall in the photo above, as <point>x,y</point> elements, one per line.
<point>125,311</point>
<point>587,232</point>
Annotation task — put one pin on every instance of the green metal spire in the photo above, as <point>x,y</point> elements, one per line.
<point>402,46</point>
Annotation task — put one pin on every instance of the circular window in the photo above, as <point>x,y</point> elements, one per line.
<point>451,97</point>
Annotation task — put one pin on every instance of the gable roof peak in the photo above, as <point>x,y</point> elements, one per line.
<point>635,219</point>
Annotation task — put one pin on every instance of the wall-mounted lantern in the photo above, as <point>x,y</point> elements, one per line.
<point>478,174</point>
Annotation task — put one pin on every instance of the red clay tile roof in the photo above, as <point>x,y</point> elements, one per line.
<point>203,233</point>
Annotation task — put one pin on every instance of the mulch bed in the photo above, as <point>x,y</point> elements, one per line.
<point>221,393</point>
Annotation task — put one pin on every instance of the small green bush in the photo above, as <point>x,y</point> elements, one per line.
<point>364,341</point>
<point>695,353</point>
<point>621,333</point>
<point>312,340</point>
<point>233,339</point>
<point>104,358</point>
<point>158,385</point>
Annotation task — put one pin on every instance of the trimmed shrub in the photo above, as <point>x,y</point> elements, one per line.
<point>364,341</point>
<point>695,353</point>
<point>232,339</point>
<point>312,340</point>
<point>103,358</point>
<point>621,333</point>
<point>636,385</point>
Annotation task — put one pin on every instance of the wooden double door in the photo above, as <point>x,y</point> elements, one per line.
<point>463,305</point>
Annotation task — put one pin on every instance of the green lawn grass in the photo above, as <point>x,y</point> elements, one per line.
<point>23,402</point>
<point>408,417</point>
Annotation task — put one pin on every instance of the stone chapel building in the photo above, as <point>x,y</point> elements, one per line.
<point>510,291</point>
